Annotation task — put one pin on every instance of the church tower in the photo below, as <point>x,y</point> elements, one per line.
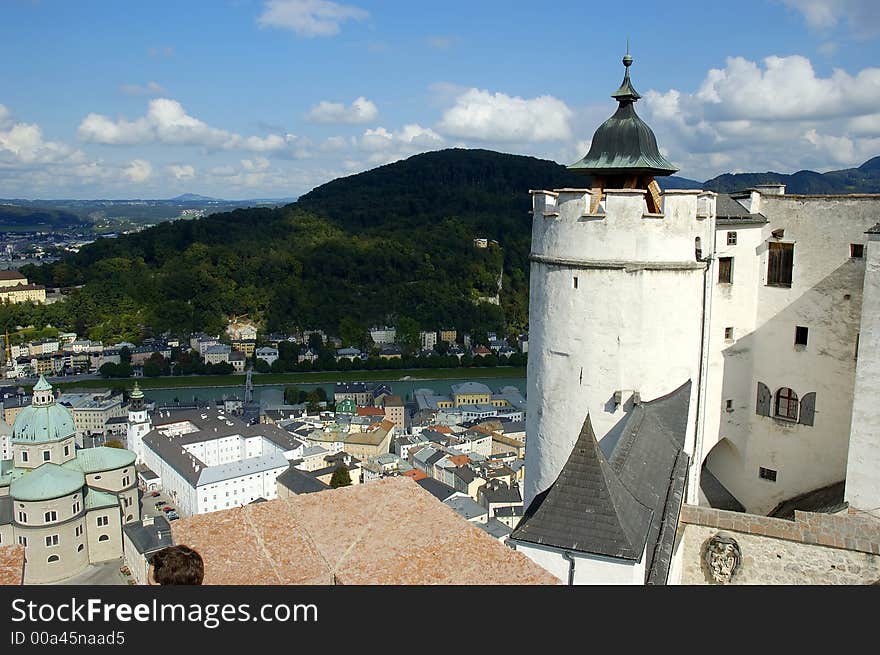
<point>618,297</point>
<point>139,423</point>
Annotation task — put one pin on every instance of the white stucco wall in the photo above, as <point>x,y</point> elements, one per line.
<point>826,297</point>
<point>863,462</point>
<point>588,570</point>
<point>633,323</point>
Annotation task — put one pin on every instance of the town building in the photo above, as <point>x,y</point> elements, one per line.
<point>14,288</point>
<point>92,411</point>
<point>427,340</point>
<point>267,354</point>
<point>383,335</point>
<point>217,354</point>
<point>65,506</point>
<point>207,460</point>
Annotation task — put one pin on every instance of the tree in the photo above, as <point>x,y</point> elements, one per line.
<point>351,332</point>
<point>341,477</point>
<point>262,366</point>
<point>408,333</point>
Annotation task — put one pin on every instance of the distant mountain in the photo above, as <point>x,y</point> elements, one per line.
<point>194,197</point>
<point>864,179</point>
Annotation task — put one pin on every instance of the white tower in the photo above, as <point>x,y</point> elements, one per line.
<point>617,303</point>
<point>139,423</point>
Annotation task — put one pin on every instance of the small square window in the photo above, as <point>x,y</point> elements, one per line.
<point>731,238</point>
<point>728,333</point>
<point>46,455</point>
<point>728,405</point>
<point>767,474</point>
<point>857,250</point>
<point>800,335</point>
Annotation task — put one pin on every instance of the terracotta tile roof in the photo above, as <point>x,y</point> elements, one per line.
<point>442,429</point>
<point>11,565</point>
<point>385,532</point>
<point>416,474</point>
<point>370,411</point>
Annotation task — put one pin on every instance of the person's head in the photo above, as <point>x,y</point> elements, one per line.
<point>176,565</point>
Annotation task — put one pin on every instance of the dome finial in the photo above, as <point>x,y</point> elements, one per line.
<point>627,59</point>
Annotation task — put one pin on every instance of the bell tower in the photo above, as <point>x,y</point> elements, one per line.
<point>139,423</point>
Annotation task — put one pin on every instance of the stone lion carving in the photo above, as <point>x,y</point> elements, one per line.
<point>722,557</point>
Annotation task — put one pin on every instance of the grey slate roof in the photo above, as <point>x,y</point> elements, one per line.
<point>436,488</point>
<point>618,506</point>
<point>729,211</point>
<point>825,500</point>
<point>466,507</point>
<point>495,528</point>
<point>300,482</point>
<point>874,230</point>
<point>499,492</point>
<point>149,538</point>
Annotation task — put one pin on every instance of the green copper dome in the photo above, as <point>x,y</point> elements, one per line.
<point>45,483</point>
<point>624,144</point>
<point>44,420</point>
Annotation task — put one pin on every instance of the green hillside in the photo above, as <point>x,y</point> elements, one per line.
<point>20,218</point>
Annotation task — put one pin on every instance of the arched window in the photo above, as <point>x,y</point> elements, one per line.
<point>53,558</point>
<point>79,548</point>
<point>104,537</point>
<point>787,404</point>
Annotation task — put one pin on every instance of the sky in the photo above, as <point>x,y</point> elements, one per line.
<point>269,98</point>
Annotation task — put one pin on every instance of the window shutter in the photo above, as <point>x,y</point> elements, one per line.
<point>765,400</point>
<point>808,408</point>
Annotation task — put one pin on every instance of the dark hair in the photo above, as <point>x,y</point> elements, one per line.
<point>177,565</point>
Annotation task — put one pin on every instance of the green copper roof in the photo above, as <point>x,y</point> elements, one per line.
<point>42,384</point>
<point>95,499</point>
<point>46,482</point>
<point>101,458</point>
<point>136,392</point>
<point>43,423</point>
<point>624,144</point>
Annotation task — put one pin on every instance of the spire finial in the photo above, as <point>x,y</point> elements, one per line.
<point>627,59</point>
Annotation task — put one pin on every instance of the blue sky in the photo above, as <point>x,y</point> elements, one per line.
<point>269,98</point>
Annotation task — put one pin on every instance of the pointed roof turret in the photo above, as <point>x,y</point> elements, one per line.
<point>136,392</point>
<point>42,384</point>
<point>624,144</point>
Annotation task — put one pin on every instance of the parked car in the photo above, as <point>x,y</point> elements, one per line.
<point>160,503</point>
<point>154,493</point>
<point>172,516</point>
<point>168,508</point>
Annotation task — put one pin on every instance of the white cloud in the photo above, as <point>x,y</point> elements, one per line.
<point>309,17</point>
<point>382,146</point>
<point>361,110</point>
<point>480,115</point>
<point>167,122</point>
<point>862,16</point>
<point>442,42</point>
<point>255,164</point>
<point>138,170</point>
<point>22,144</point>
<point>774,115</point>
<point>182,171</point>
<point>148,89</point>
<point>334,144</point>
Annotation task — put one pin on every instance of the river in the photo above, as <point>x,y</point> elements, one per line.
<point>403,388</point>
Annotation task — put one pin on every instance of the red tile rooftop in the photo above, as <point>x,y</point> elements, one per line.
<point>386,532</point>
<point>11,565</point>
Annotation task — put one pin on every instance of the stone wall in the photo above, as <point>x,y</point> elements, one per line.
<point>812,549</point>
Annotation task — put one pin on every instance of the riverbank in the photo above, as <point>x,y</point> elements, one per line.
<point>317,377</point>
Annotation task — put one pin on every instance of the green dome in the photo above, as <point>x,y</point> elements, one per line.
<point>45,483</point>
<point>44,420</point>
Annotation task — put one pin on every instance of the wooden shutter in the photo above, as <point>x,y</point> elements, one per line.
<point>780,263</point>
<point>765,400</point>
<point>808,408</point>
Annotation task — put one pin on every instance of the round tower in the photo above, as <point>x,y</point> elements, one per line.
<point>139,423</point>
<point>617,293</point>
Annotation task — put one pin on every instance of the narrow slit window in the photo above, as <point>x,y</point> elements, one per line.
<point>800,335</point>
<point>725,270</point>
<point>728,405</point>
<point>574,282</point>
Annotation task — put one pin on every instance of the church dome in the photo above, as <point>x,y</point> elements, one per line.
<point>44,420</point>
<point>624,144</point>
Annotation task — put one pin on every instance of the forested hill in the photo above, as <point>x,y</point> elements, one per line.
<point>394,242</point>
<point>14,217</point>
